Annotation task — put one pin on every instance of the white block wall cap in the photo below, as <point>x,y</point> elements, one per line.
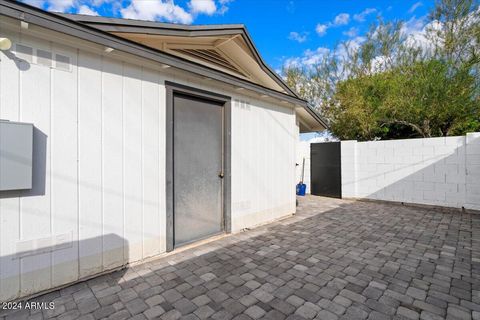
<point>459,141</point>
<point>434,141</point>
<point>416,143</point>
<point>471,136</point>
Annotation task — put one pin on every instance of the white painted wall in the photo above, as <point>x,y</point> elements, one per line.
<point>303,153</point>
<point>99,189</point>
<point>433,171</point>
<point>99,195</point>
<point>472,164</point>
<point>264,139</point>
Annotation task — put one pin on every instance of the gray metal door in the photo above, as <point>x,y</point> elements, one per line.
<point>197,168</point>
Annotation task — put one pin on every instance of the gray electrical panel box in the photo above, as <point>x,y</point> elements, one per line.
<point>16,150</point>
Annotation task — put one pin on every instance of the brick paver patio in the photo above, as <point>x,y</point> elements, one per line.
<point>335,259</point>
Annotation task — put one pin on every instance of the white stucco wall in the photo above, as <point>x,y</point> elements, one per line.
<point>99,195</point>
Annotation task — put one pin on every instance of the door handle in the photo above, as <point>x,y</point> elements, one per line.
<point>220,175</point>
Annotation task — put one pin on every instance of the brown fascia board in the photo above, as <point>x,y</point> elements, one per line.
<point>172,29</point>
<point>60,23</point>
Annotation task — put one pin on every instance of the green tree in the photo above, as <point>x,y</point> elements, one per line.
<point>390,86</point>
<point>420,100</point>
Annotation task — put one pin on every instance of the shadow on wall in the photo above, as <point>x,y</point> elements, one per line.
<point>24,273</point>
<point>434,171</point>
<point>39,168</point>
<point>21,64</point>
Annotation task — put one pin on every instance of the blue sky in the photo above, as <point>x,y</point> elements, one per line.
<point>283,30</point>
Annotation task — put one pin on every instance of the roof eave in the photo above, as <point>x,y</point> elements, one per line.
<point>130,25</point>
<point>33,15</point>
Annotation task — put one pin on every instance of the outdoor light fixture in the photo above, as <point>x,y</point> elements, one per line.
<point>164,66</point>
<point>108,49</point>
<point>5,44</point>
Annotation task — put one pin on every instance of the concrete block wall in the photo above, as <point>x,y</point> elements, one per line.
<point>434,171</point>
<point>473,171</point>
<point>348,150</point>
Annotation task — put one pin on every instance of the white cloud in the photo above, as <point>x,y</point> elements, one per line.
<point>299,37</point>
<point>79,6</point>
<point>415,30</point>
<point>421,34</point>
<point>360,17</point>
<point>414,25</point>
<point>309,58</point>
<point>60,5</point>
<point>415,6</point>
<point>352,46</point>
<point>202,6</point>
<point>156,10</point>
<point>291,6</point>
<point>352,32</point>
<point>324,136</point>
<point>379,64</point>
<point>321,29</point>
<point>35,3</point>
<point>84,9</point>
<point>223,6</point>
<point>341,19</point>
<point>98,3</point>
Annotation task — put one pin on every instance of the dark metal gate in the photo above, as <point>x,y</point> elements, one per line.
<point>325,169</point>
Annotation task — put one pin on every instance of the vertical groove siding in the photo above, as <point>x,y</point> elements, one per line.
<point>264,138</point>
<point>100,149</point>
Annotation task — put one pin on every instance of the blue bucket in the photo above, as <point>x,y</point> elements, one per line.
<point>301,188</point>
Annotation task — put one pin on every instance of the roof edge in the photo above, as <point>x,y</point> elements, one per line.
<point>55,22</point>
<point>48,20</point>
<point>314,113</point>
<point>147,23</point>
<point>190,30</point>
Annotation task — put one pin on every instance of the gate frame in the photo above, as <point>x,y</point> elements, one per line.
<point>171,89</point>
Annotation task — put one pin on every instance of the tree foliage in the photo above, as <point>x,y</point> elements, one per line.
<point>419,100</point>
<point>394,86</point>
